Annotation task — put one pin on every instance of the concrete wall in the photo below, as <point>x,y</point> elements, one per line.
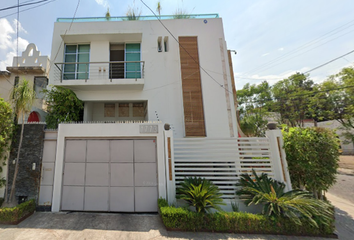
<point>162,80</point>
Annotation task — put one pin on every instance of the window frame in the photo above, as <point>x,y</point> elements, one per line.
<point>76,65</point>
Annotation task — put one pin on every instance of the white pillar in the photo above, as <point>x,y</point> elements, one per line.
<point>170,170</point>
<point>278,156</point>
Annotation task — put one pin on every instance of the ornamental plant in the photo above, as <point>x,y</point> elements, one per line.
<point>200,193</point>
<point>312,155</point>
<point>62,106</point>
<point>295,205</point>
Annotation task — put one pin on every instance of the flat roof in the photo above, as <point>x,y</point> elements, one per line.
<point>139,18</point>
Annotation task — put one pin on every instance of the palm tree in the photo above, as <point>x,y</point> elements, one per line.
<point>158,8</point>
<point>22,96</point>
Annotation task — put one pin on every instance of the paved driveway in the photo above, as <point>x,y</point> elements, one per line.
<point>107,226</point>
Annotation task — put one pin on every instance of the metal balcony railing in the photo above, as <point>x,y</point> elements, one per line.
<point>99,70</point>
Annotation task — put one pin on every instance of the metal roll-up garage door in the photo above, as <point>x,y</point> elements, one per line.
<point>110,175</point>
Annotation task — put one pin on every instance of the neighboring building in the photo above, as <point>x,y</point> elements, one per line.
<point>34,68</point>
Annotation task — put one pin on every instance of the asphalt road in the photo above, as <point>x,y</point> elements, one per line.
<point>344,188</point>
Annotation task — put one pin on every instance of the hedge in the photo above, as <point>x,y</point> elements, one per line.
<point>16,214</point>
<point>183,219</point>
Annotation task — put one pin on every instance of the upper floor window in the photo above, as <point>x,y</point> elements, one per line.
<point>40,83</point>
<point>76,60</point>
<point>132,53</point>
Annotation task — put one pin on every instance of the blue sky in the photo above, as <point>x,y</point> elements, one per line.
<point>273,38</point>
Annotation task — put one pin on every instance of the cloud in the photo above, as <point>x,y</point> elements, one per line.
<point>20,28</point>
<point>263,55</point>
<point>103,3</point>
<point>280,49</point>
<point>8,44</point>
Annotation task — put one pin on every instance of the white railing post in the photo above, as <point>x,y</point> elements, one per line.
<point>278,157</point>
<point>170,169</point>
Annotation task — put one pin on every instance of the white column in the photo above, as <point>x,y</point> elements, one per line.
<point>278,157</point>
<point>170,170</point>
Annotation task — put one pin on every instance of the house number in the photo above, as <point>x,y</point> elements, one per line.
<point>149,129</point>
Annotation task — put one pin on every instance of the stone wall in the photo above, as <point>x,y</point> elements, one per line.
<point>28,180</point>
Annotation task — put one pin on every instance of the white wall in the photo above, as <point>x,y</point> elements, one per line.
<point>162,83</point>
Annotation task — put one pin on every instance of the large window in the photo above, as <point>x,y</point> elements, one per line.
<point>74,55</point>
<point>132,53</point>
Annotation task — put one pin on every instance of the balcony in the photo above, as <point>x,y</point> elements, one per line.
<point>100,75</point>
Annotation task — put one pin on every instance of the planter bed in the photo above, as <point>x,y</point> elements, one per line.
<point>181,219</point>
<point>17,214</point>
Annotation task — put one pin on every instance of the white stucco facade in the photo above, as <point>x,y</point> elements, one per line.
<point>160,86</point>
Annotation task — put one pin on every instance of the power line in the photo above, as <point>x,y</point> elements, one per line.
<point>328,62</point>
<point>332,32</point>
<point>62,41</point>
<point>185,49</point>
<point>22,5</point>
<point>28,8</point>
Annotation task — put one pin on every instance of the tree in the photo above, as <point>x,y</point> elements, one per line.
<point>6,127</point>
<point>158,7</point>
<point>292,99</point>
<point>335,100</point>
<point>62,106</point>
<point>312,155</point>
<point>23,96</point>
<point>254,103</point>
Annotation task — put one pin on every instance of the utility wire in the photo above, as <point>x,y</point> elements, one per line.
<point>62,41</point>
<point>306,45</point>
<point>22,5</point>
<point>28,9</point>
<point>328,62</point>
<point>220,85</point>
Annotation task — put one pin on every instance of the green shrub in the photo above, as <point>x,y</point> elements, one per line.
<point>312,155</point>
<point>293,205</point>
<point>13,215</point>
<point>200,193</point>
<point>236,222</point>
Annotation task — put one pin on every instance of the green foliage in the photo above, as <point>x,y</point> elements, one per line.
<point>23,96</point>
<point>288,101</point>
<point>6,129</point>
<point>200,193</point>
<point>13,215</point>
<point>62,106</point>
<point>236,222</point>
<point>294,205</point>
<point>133,13</point>
<point>181,13</point>
<point>235,207</point>
<point>254,105</point>
<point>312,155</point>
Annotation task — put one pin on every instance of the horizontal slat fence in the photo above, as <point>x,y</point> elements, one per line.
<point>221,160</point>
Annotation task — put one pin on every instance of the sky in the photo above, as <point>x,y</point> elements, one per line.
<point>273,38</point>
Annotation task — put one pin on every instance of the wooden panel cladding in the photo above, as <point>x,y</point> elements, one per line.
<point>191,87</point>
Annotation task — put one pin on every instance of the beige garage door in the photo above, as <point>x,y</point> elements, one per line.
<point>110,175</point>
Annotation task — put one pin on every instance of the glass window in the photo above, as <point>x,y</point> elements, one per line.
<point>123,109</point>
<point>109,110</point>
<point>132,53</point>
<point>40,83</point>
<point>75,54</point>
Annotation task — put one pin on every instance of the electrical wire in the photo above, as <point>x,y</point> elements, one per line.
<point>22,5</point>
<point>28,9</point>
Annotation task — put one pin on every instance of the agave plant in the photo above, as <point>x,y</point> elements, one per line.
<point>200,193</point>
<point>295,204</point>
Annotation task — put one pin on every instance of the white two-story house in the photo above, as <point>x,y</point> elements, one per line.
<point>134,77</point>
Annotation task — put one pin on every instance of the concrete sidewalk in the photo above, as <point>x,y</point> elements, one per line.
<point>107,226</point>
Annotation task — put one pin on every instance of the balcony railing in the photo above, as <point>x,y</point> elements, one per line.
<point>99,70</point>
<point>143,18</point>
